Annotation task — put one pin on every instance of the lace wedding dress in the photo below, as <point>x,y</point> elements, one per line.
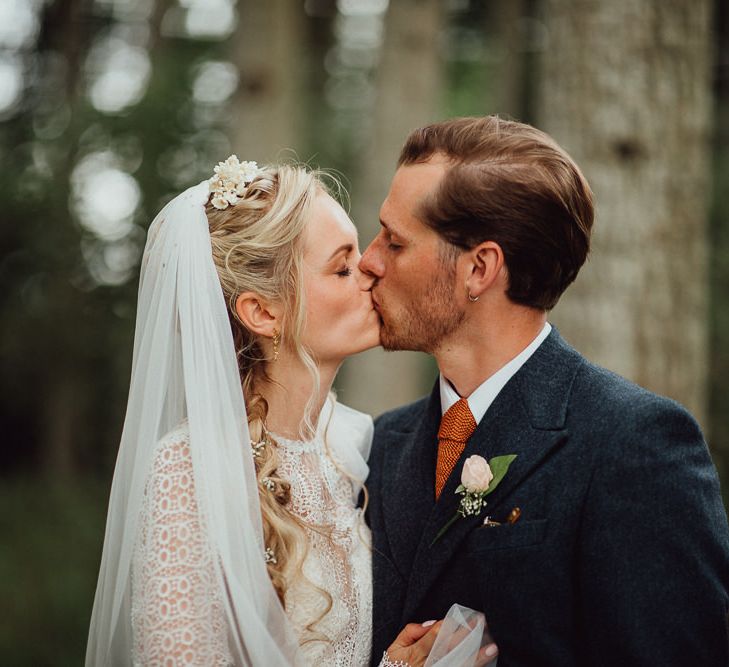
<point>177,612</point>
<point>339,563</point>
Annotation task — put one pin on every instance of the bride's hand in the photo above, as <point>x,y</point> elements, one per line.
<point>413,644</point>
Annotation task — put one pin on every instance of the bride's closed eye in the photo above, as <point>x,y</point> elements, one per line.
<point>346,271</point>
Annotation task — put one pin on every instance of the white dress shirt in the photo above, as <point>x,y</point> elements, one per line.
<point>485,394</point>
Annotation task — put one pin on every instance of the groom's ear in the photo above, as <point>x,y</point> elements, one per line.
<point>487,268</point>
<point>258,315</point>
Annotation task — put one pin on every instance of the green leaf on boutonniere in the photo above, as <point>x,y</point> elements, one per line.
<point>499,466</point>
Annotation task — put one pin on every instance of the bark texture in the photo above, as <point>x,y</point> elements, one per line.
<point>626,90</point>
<point>267,120</point>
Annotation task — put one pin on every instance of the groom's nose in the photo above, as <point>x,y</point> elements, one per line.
<point>371,262</point>
<point>365,281</point>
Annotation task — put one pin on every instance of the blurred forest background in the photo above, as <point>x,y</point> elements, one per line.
<point>108,108</point>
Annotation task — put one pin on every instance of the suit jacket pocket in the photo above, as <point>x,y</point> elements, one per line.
<point>507,536</point>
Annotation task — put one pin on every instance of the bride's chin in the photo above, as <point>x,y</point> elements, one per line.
<point>369,340</point>
<point>376,340</point>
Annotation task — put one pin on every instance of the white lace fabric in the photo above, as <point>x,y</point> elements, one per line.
<point>338,561</point>
<point>177,611</point>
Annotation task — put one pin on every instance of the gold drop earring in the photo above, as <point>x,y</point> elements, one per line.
<point>276,341</point>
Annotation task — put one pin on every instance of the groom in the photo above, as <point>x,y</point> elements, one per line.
<point>606,542</point>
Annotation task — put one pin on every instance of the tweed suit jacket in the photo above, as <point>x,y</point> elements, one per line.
<point>621,553</point>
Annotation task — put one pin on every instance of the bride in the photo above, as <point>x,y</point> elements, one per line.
<point>233,535</point>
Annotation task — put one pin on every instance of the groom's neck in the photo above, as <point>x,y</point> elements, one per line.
<point>485,342</point>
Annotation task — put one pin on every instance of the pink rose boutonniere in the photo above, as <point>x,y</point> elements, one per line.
<point>478,479</point>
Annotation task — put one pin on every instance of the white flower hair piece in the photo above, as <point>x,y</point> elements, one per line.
<point>230,180</point>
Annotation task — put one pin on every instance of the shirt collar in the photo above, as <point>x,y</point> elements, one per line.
<point>485,394</point>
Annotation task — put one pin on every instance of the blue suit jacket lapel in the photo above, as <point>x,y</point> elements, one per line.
<point>527,419</point>
<point>408,483</point>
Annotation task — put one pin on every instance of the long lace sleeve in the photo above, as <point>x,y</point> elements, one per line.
<point>177,615</point>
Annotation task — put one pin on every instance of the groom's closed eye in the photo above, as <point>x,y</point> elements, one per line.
<point>393,242</point>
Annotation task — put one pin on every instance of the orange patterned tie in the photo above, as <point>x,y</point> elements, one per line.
<point>456,427</point>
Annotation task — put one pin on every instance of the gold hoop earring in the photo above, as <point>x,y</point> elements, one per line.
<point>276,341</point>
<point>472,299</point>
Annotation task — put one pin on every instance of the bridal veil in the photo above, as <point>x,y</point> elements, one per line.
<point>184,369</point>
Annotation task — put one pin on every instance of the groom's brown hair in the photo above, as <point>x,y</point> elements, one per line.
<point>512,184</point>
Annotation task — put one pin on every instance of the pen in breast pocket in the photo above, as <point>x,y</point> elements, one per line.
<point>511,519</point>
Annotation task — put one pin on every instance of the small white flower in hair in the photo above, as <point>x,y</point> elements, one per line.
<point>249,169</point>
<point>230,181</point>
<point>257,447</point>
<point>219,201</point>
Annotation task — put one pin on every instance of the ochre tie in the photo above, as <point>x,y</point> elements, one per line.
<point>456,427</point>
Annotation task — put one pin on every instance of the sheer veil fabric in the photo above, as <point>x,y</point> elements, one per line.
<point>184,368</point>
<point>461,637</point>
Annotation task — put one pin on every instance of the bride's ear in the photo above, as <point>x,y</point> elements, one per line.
<point>258,315</point>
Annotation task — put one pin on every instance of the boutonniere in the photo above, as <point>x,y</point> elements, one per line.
<point>478,479</point>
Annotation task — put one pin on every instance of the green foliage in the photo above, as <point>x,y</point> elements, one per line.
<point>49,560</point>
<point>499,467</point>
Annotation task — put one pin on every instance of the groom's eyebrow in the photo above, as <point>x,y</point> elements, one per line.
<point>389,229</point>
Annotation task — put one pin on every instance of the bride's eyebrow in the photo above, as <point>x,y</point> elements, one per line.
<point>348,247</point>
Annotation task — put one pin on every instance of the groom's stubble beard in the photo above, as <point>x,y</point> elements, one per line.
<point>423,324</point>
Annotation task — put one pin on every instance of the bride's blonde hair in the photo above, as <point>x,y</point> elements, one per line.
<point>258,246</point>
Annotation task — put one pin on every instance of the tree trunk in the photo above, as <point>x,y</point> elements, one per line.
<point>719,244</point>
<point>61,418</point>
<point>626,92</point>
<point>507,22</point>
<point>266,118</point>
<point>408,85</point>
